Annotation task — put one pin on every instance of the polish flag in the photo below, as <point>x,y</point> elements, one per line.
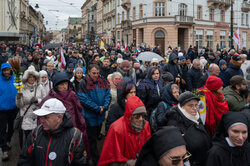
<point>63,62</point>
<point>236,37</point>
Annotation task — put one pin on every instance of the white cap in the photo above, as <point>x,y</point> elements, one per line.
<point>154,60</point>
<point>50,106</point>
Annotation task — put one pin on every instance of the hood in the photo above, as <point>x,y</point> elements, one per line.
<point>149,75</point>
<point>172,57</point>
<point>121,96</point>
<point>27,73</point>
<point>4,66</point>
<point>60,77</point>
<point>167,95</point>
<point>131,104</point>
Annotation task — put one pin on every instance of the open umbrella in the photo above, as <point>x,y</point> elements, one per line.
<point>148,56</point>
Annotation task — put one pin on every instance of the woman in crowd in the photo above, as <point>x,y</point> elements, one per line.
<point>126,136</point>
<point>216,104</point>
<point>78,76</point>
<point>45,82</point>
<point>230,145</point>
<point>29,98</point>
<point>150,88</point>
<point>117,109</point>
<point>185,116</point>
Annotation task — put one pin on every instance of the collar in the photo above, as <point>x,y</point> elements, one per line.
<point>229,142</point>
<point>190,117</point>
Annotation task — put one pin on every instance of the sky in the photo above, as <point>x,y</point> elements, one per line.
<point>57,12</point>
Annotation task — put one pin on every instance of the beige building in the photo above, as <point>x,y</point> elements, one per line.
<point>109,21</point>
<point>24,21</point>
<point>164,23</point>
<point>74,29</point>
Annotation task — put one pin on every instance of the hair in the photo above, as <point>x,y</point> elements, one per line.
<point>91,66</point>
<point>116,73</point>
<point>243,56</point>
<point>174,86</point>
<point>128,87</point>
<point>196,60</point>
<point>187,57</point>
<point>237,80</point>
<point>106,58</point>
<point>211,67</point>
<point>154,69</point>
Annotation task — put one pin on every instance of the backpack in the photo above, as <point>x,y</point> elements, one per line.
<point>152,119</point>
<point>73,143</point>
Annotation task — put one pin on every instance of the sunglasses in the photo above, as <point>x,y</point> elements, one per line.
<point>138,116</point>
<point>177,159</point>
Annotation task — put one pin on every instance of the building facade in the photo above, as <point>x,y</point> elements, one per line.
<point>181,23</point>
<point>74,29</point>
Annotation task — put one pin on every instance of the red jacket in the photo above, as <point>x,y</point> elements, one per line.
<point>122,142</point>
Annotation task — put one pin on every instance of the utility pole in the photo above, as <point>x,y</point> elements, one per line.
<point>232,25</point>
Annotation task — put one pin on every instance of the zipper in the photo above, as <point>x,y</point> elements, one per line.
<point>47,154</point>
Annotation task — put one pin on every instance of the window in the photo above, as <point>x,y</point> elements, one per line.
<point>199,37</point>
<point>118,18</point>
<point>242,18</point>
<point>210,38</point>
<point>199,12</point>
<point>247,19</point>
<point>211,14</point>
<point>160,9</point>
<point>159,34</point>
<point>141,11</point>
<point>119,35</point>
<point>222,39</point>
<point>122,15</point>
<point>134,13</point>
<point>182,9</point>
<point>222,16</point>
<point>74,27</point>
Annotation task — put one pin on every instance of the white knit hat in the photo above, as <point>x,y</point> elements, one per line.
<point>43,73</point>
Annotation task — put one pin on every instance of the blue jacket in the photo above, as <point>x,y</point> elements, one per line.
<point>8,90</point>
<point>231,71</point>
<point>92,95</point>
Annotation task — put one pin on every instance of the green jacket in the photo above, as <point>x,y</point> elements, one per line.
<point>234,100</point>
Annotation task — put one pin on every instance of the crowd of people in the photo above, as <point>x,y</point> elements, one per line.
<point>83,105</point>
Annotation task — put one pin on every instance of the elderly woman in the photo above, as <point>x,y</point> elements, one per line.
<point>45,82</point>
<point>185,117</point>
<point>126,136</point>
<point>216,104</point>
<point>230,145</point>
<point>29,98</point>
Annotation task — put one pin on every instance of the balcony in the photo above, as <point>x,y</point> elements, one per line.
<point>245,7</point>
<point>126,24</point>
<point>126,4</point>
<point>184,19</point>
<point>221,4</point>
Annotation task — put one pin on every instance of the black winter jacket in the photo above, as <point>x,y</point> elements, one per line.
<point>52,147</point>
<point>195,135</point>
<point>172,67</point>
<point>193,76</point>
<point>104,72</point>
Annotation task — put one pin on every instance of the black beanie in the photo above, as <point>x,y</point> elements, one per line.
<point>186,97</point>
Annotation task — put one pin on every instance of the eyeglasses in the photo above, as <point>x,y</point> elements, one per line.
<point>193,105</point>
<point>137,116</point>
<point>177,159</point>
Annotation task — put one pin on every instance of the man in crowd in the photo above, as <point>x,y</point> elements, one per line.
<point>236,93</point>
<point>55,142</point>
<point>213,70</point>
<point>3,58</point>
<point>106,69</point>
<point>193,75</point>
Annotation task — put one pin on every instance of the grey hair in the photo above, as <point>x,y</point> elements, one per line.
<point>174,86</point>
<point>116,73</point>
<point>243,56</point>
<point>211,67</point>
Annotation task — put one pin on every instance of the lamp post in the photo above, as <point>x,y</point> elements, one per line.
<point>232,26</point>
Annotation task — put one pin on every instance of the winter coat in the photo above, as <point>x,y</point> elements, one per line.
<point>57,141</point>
<point>3,59</point>
<point>193,76</point>
<point>46,87</point>
<point>50,75</point>
<point>231,71</point>
<point>222,74</point>
<point>149,93</point>
<point>73,60</point>
<point>192,55</point>
<point>215,60</point>
<point>26,63</point>
<point>8,90</point>
<point>92,95</point>
<point>202,81</point>
<point>104,71</point>
<point>234,100</point>
<point>172,67</point>
<point>123,142</point>
<point>195,135</point>
<point>127,76</point>
<point>170,101</point>
<point>28,91</point>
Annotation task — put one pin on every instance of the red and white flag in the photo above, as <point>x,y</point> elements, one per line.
<point>236,37</point>
<point>63,62</point>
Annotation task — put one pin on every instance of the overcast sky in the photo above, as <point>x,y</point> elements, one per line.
<point>57,12</point>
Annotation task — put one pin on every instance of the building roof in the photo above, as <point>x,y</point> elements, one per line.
<point>75,20</point>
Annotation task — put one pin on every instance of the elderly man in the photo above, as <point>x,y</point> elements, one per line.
<point>193,75</point>
<point>236,93</point>
<point>213,70</point>
<point>245,64</point>
<point>55,142</point>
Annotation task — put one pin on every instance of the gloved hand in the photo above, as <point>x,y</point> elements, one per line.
<point>131,162</point>
<point>19,95</point>
<point>34,100</point>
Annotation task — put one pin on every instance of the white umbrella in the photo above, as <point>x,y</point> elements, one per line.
<point>148,56</point>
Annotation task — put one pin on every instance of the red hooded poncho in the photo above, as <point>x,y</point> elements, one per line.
<point>122,142</point>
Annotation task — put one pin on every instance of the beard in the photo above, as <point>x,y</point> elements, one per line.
<point>244,92</point>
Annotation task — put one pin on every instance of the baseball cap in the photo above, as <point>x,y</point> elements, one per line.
<point>50,106</point>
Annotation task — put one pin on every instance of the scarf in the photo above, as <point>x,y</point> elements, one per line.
<point>137,128</point>
<point>44,83</point>
<point>216,107</point>
<point>189,116</point>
